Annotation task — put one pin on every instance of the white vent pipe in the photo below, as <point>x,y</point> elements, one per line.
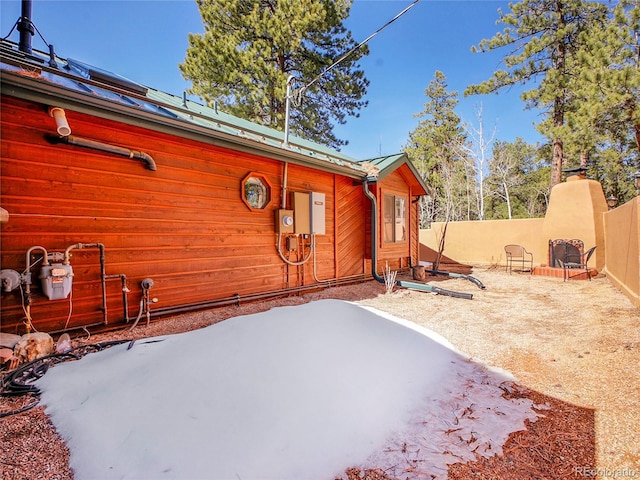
<point>62,126</point>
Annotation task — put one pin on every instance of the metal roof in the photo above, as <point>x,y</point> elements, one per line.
<point>390,163</point>
<point>75,84</point>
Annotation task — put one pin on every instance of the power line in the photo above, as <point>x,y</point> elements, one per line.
<point>334,64</point>
<point>329,68</point>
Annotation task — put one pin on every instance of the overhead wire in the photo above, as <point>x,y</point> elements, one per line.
<point>34,27</point>
<point>12,28</point>
<point>343,57</point>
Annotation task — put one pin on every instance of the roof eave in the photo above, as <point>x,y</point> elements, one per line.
<point>41,91</point>
<point>403,159</point>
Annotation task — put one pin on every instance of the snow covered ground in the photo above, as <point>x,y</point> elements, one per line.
<point>301,392</point>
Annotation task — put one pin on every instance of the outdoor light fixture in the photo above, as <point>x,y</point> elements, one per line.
<point>62,126</point>
<point>612,201</point>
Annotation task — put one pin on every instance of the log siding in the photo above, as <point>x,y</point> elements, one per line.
<point>184,225</point>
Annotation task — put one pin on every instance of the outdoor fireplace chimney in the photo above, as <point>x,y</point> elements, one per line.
<point>576,173</point>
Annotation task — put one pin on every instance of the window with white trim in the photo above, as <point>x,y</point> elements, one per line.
<point>394,218</point>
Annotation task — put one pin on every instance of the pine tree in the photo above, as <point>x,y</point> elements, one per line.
<point>249,49</point>
<point>606,120</point>
<point>432,148</point>
<point>544,36</point>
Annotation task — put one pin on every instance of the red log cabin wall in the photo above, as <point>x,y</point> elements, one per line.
<point>398,254</point>
<point>184,225</point>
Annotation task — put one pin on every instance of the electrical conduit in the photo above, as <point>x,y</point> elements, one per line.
<point>103,273</point>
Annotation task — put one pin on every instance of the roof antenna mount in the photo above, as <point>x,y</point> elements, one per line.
<point>26,28</point>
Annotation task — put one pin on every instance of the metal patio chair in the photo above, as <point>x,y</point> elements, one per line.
<point>577,261</point>
<point>520,255</point>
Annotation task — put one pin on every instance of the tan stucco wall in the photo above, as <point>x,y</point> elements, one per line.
<point>622,250</point>
<point>482,243</point>
<point>577,210</point>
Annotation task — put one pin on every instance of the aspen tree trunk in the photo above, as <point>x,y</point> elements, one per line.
<point>507,198</point>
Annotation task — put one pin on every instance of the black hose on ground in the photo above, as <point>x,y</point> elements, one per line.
<point>458,275</point>
<point>450,293</point>
<point>21,381</point>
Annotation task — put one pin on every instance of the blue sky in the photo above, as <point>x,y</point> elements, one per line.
<point>145,40</point>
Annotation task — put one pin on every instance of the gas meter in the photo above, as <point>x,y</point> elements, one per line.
<point>56,280</point>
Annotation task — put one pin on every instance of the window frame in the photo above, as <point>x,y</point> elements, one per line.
<point>394,218</point>
<point>265,183</point>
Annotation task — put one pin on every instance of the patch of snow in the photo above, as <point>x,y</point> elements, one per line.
<point>296,392</point>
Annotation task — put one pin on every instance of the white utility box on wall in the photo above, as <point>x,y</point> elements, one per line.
<point>318,214</point>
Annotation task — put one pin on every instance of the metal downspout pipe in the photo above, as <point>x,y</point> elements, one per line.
<point>374,230</point>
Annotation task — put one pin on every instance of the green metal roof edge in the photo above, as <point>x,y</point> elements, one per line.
<point>387,161</point>
<point>260,131</point>
<point>387,164</point>
<point>201,117</point>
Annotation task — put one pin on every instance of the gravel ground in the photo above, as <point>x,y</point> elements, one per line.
<point>574,346</point>
<point>576,341</point>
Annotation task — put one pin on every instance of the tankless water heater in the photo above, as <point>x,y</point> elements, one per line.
<point>318,215</point>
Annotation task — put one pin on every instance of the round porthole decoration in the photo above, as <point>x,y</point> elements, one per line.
<point>256,191</point>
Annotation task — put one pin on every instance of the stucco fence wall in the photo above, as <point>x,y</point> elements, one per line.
<point>622,250</point>
<point>482,243</point>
